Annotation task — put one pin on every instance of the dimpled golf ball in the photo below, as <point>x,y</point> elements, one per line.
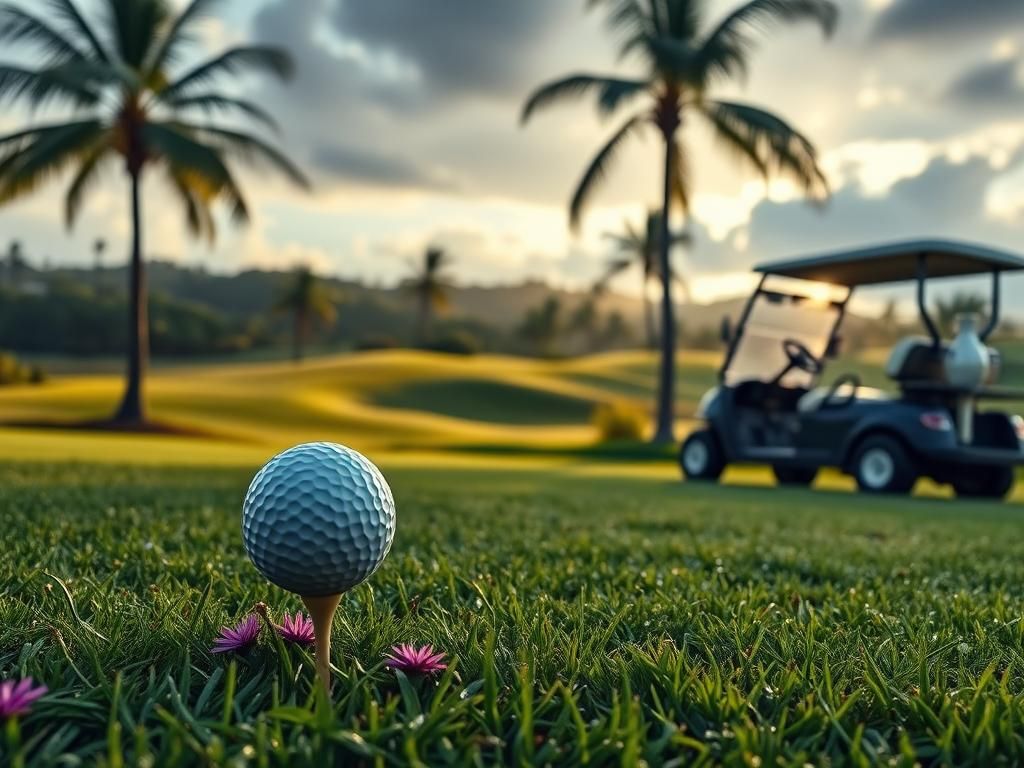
<point>318,519</point>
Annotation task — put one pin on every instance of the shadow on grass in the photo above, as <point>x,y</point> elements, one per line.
<point>617,451</point>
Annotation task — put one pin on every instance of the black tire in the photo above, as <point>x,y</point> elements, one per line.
<point>795,476</point>
<point>984,483</point>
<point>882,465</point>
<point>701,457</point>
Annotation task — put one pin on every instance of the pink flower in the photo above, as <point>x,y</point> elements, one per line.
<point>240,637</point>
<point>297,629</point>
<point>18,698</point>
<point>416,661</point>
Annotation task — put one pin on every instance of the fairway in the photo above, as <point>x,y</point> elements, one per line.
<point>610,621</point>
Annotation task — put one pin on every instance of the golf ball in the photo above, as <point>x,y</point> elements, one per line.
<point>318,519</point>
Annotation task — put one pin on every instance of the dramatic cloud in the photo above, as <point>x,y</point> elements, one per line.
<point>992,84</point>
<point>457,46</point>
<point>380,168</point>
<point>951,19</point>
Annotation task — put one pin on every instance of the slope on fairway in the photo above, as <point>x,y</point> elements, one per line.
<point>396,401</point>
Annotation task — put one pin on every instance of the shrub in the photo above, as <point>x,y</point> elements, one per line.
<point>619,421</point>
<point>374,343</point>
<point>455,343</point>
<point>12,371</point>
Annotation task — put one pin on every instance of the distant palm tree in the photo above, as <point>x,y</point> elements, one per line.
<point>641,248</point>
<point>99,247</point>
<point>584,321</point>
<point>430,288</point>
<point>310,305</point>
<point>542,326</point>
<point>132,106</point>
<point>15,262</point>
<point>681,64</point>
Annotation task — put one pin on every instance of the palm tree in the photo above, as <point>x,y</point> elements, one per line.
<point>542,326</point>
<point>681,63</point>
<point>133,104</point>
<point>637,247</point>
<point>430,288</point>
<point>584,321</point>
<point>99,247</point>
<point>310,304</point>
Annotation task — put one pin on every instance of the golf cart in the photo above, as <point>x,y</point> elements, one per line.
<point>770,407</point>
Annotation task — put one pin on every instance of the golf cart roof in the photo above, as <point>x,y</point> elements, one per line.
<point>896,262</point>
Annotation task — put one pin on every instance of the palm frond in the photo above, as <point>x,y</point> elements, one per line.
<point>198,218</point>
<point>77,83</point>
<point>254,58</point>
<point>611,92</point>
<point>768,142</point>
<point>135,26</point>
<point>85,177</point>
<point>725,49</point>
<point>598,168</point>
<point>19,26</point>
<point>627,16</point>
<point>674,60</point>
<point>249,149</point>
<point>201,166</point>
<point>163,53</point>
<point>37,155</point>
<point>69,13</point>
<point>216,102</point>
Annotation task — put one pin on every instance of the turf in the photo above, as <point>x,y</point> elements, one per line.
<point>606,622</point>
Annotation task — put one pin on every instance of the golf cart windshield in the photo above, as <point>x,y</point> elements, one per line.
<point>776,318</point>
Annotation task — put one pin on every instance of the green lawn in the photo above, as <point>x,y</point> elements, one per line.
<point>597,620</point>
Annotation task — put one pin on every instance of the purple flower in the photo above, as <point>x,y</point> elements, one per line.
<point>297,629</point>
<point>18,698</point>
<point>240,637</point>
<point>416,661</point>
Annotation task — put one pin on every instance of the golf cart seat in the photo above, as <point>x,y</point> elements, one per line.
<point>917,358</point>
<point>819,396</point>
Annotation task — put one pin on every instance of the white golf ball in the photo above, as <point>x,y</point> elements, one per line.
<point>318,519</point>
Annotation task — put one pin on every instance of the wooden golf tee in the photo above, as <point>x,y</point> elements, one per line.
<point>321,611</point>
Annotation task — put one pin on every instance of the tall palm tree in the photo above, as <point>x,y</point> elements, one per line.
<point>132,103</point>
<point>640,247</point>
<point>682,60</point>
<point>310,304</point>
<point>430,288</point>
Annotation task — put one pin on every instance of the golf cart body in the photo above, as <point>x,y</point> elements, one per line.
<point>771,406</point>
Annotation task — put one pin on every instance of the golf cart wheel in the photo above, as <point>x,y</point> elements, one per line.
<point>701,457</point>
<point>984,483</point>
<point>882,465</point>
<point>796,476</point>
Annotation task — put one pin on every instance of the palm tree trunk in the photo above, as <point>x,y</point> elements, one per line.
<point>665,419</point>
<point>132,409</point>
<point>652,341</point>
<point>424,320</point>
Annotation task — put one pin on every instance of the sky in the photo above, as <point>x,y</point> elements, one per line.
<point>405,113</point>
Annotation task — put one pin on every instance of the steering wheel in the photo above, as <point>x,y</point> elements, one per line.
<point>800,357</point>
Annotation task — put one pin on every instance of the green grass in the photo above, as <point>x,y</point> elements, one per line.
<point>600,621</point>
<point>488,401</point>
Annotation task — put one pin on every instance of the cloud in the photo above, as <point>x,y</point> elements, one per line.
<point>456,46</point>
<point>947,199</point>
<point>380,169</point>
<point>927,20</point>
<point>990,84</point>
